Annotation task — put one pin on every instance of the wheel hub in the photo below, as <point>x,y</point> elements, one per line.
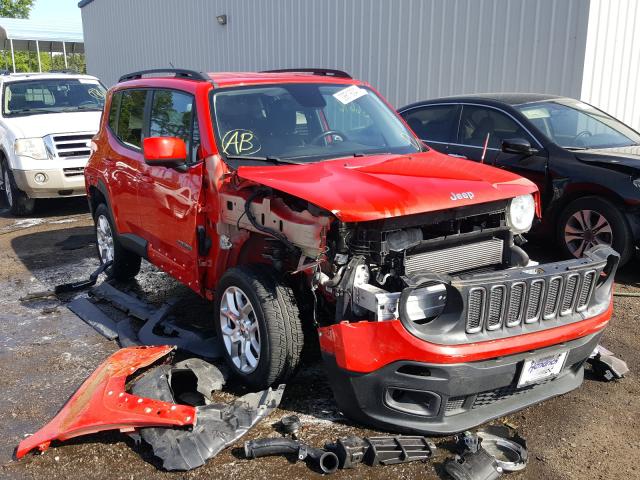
<point>586,229</point>
<point>240,329</point>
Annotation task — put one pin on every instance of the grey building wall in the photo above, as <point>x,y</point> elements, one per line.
<point>408,49</point>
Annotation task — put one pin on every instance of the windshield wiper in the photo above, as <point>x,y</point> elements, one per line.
<point>275,160</point>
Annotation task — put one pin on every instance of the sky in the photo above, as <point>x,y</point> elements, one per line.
<point>61,10</point>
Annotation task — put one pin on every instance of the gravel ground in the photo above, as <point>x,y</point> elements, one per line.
<point>46,353</point>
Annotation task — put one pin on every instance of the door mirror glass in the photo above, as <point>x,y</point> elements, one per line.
<point>165,151</point>
<point>518,146</point>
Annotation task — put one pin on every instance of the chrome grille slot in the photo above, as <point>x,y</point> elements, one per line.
<point>553,295</point>
<point>585,290</point>
<point>496,306</point>
<point>534,301</point>
<point>569,295</point>
<point>73,172</point>
<point>475,309</point>
<point>72,145</point>
<point>516,304</point>
<point>457,259</point>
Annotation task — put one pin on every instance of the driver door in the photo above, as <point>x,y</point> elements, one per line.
<point>168,198</point>
<point>480,124</point>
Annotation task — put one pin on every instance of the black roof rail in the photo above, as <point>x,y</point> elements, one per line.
<point>327,72</point>
<point>178,73</point>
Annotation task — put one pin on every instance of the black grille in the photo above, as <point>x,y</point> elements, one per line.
<point>585,290</point>
<point>533,304</point>
<point>492,396</point>
<point>491,307</point>
<point>516,302</point>
<point>496,302</point>
<point>569,295</point>
<point>453,405</point>
<point>553,294</point>
<point>75,145</point>
<point>475,310</point>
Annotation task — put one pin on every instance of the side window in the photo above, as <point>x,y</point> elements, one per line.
<point>113,111</point>
<point>478,122</point>
<point>436,123</point>
<point>130,119</point>
<point>172,115</point>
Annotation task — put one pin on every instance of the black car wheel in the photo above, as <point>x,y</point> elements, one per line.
<point>18,202</point>
<point>592,221</point>
<point>126,264</point>
<point>258,323</point>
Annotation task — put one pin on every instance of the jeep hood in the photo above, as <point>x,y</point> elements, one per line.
<point>627,157</point>
<point>383,186</point>
<point>39,125</point>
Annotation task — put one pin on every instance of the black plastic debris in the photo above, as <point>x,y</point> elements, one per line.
<point>94,317</point>
<point>325,461</point>
<point>158,327</point>
<point>478,465</point>
<point>505,445</point>
<point>383,450</point>
<point>607,366</point>
<point>217,424</point>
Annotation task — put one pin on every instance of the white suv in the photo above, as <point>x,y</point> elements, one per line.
<point>46,123</point>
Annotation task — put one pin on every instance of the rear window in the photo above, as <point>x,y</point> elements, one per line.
<point>126,116</point>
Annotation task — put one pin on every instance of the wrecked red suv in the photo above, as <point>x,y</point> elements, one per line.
<point>300,202</point>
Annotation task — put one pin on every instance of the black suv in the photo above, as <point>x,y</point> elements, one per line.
<point>585,162</point>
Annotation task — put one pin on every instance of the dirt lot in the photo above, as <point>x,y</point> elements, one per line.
<point>46,352</point>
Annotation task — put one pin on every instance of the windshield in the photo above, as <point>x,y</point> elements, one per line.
<point>574,124</point>
<point>307,122</point>
<point>34,97</point>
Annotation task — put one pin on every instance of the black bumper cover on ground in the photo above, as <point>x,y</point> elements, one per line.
<point>449,398</point>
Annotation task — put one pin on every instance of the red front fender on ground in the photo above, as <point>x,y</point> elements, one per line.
<point>101,403</point>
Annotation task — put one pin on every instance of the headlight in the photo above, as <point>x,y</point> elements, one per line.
<point>520,213</point>
<point>31,147</point>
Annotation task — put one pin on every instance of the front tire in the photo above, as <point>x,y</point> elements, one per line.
<point>126,264</point>
<point>590,221</point>
<point>18,201</point>
<point>258,323</point>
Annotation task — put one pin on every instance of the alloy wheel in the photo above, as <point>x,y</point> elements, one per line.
<point>240,329</point>
<point>104,237</point>
<point>7,187</point>
<point>585,229</point>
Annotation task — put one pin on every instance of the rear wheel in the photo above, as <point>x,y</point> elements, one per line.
<point>126,264</point>
<point>18,201</point>
<point>590,221</point>
<point>258,323</point>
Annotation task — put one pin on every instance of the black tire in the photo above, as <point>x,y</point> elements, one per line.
<point>278,317</point>
<point>18,201</point>
<point>126,264</point>
<point>621,238</point>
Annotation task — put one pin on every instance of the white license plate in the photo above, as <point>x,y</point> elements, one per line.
<point>539,369</point>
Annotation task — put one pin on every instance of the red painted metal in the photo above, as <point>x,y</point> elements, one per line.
<point>164,148</point>
<point>367,346</point>
<point>382,186</point>
<point>101,403</point>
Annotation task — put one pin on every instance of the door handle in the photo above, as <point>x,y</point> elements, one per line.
<point>457,156</point>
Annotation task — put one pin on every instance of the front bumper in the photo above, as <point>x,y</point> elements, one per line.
<point>443,376</point>
<point>431,398</point>
<point>60,182</point>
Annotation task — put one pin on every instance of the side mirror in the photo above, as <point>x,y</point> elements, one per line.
<point>165,151</point>
<point>518,146</point>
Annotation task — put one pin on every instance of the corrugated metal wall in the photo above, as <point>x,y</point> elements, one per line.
<point>408,49</point>
<point>612,60</point>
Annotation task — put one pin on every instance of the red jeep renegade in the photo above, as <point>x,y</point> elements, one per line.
<point>288,192</point>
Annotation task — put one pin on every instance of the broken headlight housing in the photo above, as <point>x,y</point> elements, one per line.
<point>520,213</point>
<point>31,147</point>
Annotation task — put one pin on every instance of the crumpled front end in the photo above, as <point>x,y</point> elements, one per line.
<point>466,363</point>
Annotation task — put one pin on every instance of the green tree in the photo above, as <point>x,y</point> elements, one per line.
<point>16,8</point>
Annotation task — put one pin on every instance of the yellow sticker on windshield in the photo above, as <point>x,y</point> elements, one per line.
<point>240,142</point>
